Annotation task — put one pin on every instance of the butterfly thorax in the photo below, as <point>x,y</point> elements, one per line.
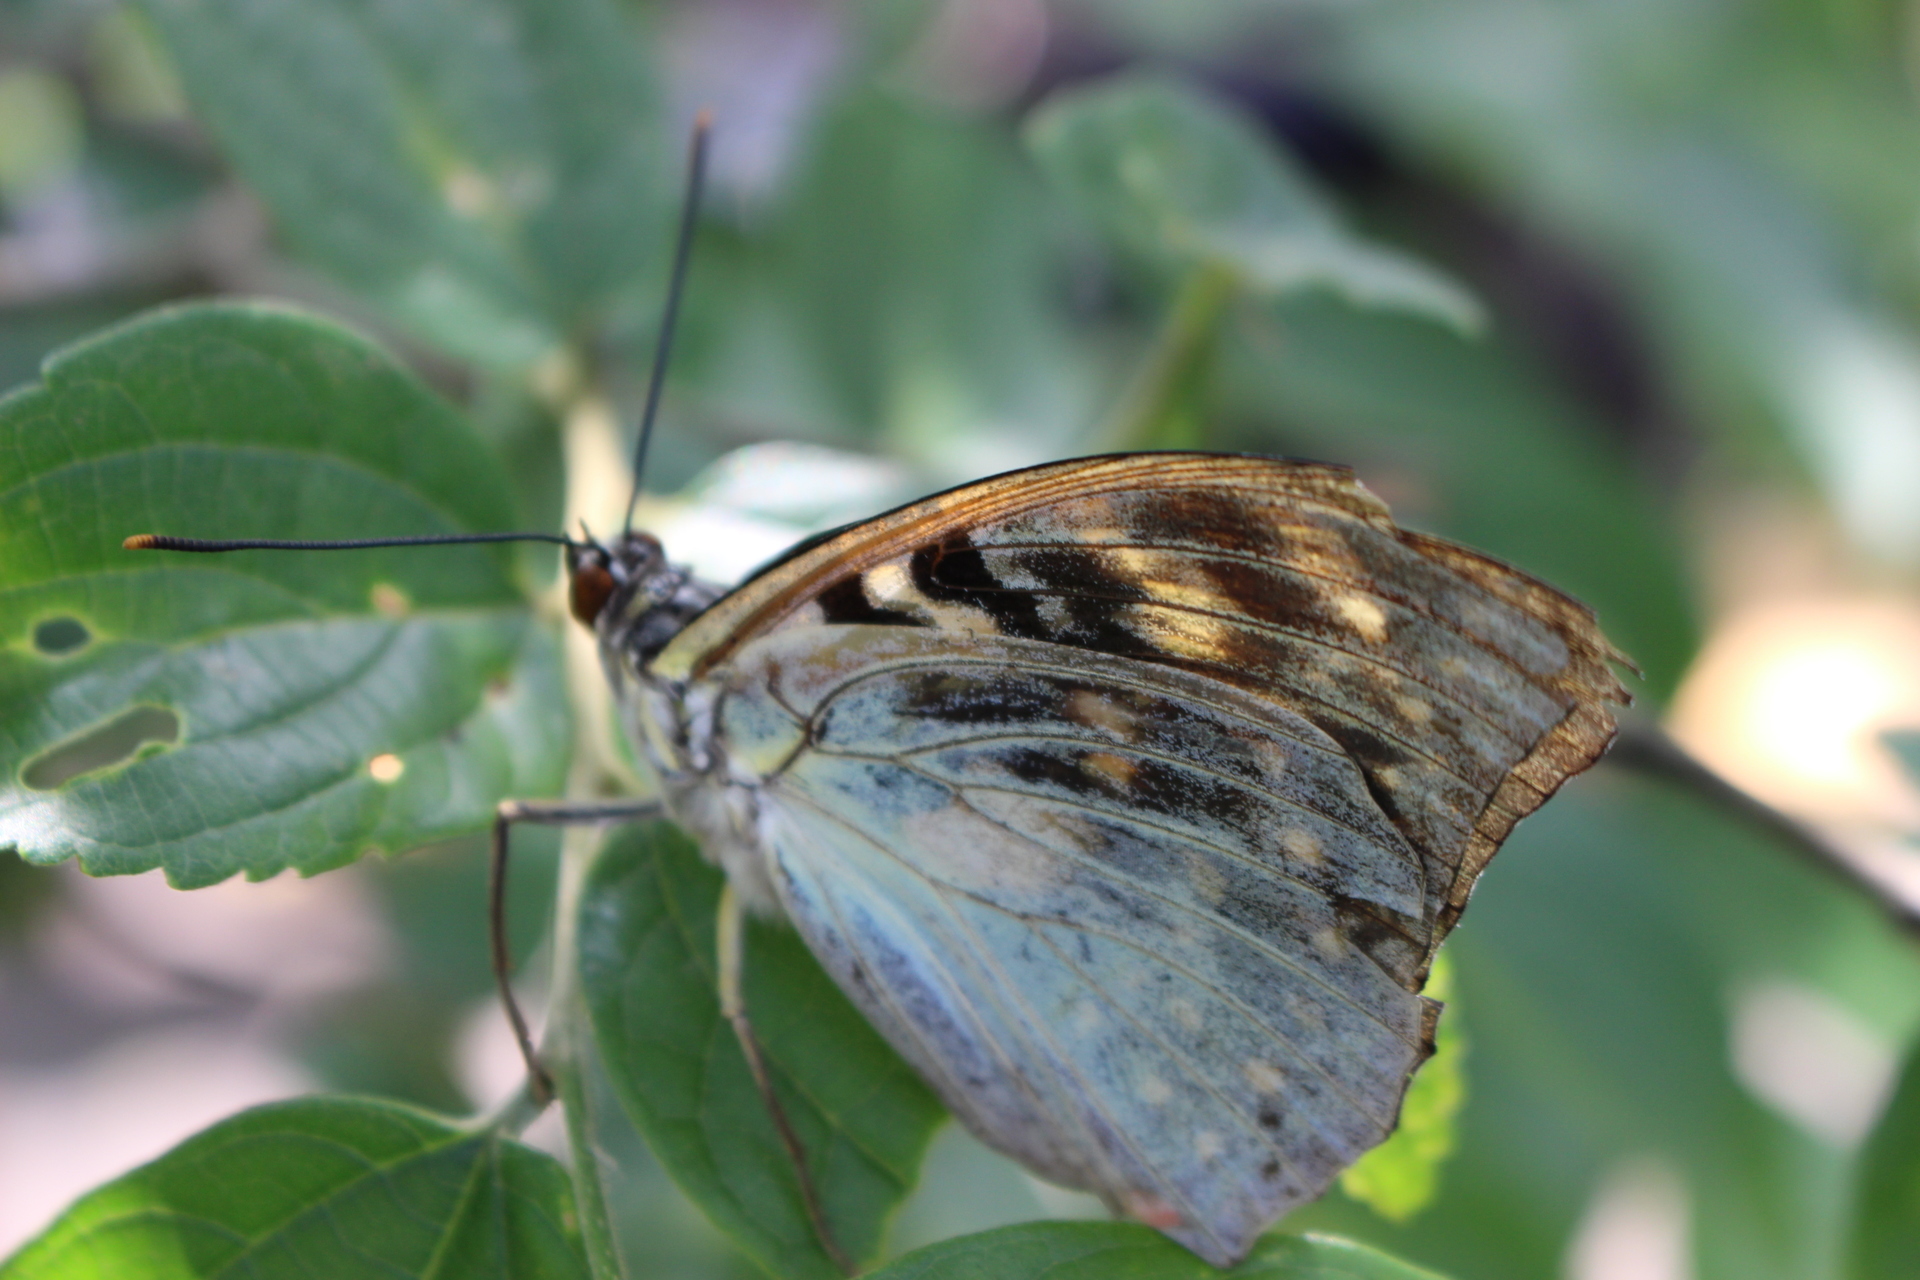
<point>636,602</point>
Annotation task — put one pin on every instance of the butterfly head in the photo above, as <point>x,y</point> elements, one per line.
<point>627,592</point>
<point>600,576</point>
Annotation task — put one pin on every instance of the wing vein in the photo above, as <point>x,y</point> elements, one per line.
<point>947,662</point>
<point>984,954</point>
<point>1174,833</point>
<point>1184,1061</point>
<point>1368,586</point>
<point>1255,624</point>
<point>993,980</point>
<point>1252,1015</point>
<point>1145,754</point>
<point>1227,927</point>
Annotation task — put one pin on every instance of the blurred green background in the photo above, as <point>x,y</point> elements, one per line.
<point>1692,228</point>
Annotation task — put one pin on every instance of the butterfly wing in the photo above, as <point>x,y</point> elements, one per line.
<point>1130,798</point>
<point>1465,690</point>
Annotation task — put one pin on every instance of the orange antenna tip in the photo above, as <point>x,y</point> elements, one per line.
<point>140,542</point>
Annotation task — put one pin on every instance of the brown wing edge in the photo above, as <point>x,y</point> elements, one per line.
<point>1569,747</point>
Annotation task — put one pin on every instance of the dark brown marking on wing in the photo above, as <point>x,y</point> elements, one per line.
<point>959,572</point>
<point>1271,559</point>
<point>952,572</point>
<point>846,602</point>
<point>1105,715</point>
<point>1272,599</point>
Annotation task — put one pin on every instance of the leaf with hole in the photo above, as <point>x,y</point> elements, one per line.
<point>335,1187</point>
<point>647,961</point>
<point>257,710</point>
<point>1181,179</point>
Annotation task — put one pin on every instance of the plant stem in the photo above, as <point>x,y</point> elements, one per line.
<point>568,1051</point>
<point>1174,365</point>
<point>1645,748</point>
<point>596,493</point>
<point>597,481</point>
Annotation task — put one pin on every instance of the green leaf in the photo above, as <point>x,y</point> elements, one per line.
<point>1126,1251</point>
<point>863,1116</point>
<point>486,170</point>
<point>1886,1225</point>
<point>1399,1177</point>
<point>214,714</point>
<point>334,1187</point>
<point>1180,178</point>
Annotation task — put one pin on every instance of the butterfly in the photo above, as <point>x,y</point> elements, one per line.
<point>1129,797</point>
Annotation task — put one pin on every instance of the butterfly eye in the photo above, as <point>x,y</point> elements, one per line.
<point>589,591</point>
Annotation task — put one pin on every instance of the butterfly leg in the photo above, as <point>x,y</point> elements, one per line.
<point>545,813</point>
<point>730,942</point>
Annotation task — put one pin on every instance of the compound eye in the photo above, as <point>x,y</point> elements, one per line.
<point>588,592</point>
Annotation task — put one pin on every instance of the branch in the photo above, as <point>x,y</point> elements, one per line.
<point>1646,748</point>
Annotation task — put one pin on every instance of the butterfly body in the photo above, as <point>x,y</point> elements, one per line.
<point>1128,797</point>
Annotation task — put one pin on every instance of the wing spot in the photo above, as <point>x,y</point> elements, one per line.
<point>1264,1076</point>
<point>1198,637</point>
<point>1208,1145</point>
<point>1104,766</point>
<point>1207,879</point>
<point>1364,616</point>
<point>1102,711</point>
<point>1303,846</point>
<point>1088,1020</point>
<point>1155,1092</point>
<point>1186,1013</point>
<point>887,585</point>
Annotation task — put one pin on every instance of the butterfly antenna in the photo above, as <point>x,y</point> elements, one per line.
<point>669,316</point>
<point>165,542</point>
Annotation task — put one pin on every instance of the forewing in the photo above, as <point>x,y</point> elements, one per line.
<point>1144,932</point>
<point>1463,690</point>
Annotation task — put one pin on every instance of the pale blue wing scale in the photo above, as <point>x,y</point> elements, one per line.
<point>1327,1001</point>
<point>1109,912</point>
<point>1098,1062</point>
